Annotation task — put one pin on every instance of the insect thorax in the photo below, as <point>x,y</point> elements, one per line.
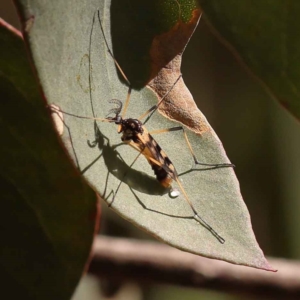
<point>130,128</point>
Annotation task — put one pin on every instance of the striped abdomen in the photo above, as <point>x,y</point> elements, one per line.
<point>165,172</point>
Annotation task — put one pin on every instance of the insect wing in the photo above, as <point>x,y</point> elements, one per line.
<point>154,151</point>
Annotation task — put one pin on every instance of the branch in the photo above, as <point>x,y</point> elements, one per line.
<point>120,260</point>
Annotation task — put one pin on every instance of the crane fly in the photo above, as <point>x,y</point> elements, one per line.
<point>135,134</point>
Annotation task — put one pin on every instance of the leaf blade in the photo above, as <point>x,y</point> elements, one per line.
<point>105,163</point>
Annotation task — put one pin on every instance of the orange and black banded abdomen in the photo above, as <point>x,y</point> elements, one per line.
<point>165,172</point>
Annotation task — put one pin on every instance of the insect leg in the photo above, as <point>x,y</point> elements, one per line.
<point>126,102</point>
<point>119,185</point>
<point>56,109</point>
<point>110,52</point>
<point>118,66</point>
<point>151,110</point>
<point>196,162</point>
<point>197,216</point>
<point>175,177</point>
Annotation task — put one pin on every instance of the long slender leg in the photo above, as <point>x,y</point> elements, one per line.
<point>56,109</point>
<point>196,215</point>
<point>180,128</point>
<point>110,52</point>
<point>155,107</point>
<point>119,185</point>
<point>126,102</point>
<point>118,66</point>
<point>90,75</point>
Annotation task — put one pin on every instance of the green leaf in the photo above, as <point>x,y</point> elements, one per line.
<point>265,37</point>
<point>80,76</point>
<point>48,214</point>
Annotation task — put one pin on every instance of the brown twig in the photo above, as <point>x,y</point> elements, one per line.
<point>123,260</point>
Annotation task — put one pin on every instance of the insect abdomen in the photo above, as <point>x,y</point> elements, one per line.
<point>165,173</point>
<point>161,175</point>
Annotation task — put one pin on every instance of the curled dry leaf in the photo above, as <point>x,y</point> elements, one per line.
<point>166,55</point>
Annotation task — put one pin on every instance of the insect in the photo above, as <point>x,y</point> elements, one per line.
<point>134,133</point>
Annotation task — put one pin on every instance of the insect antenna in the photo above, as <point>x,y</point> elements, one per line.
<point>116,110</point>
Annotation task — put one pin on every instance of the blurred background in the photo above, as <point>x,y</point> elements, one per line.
<point>260,138</point>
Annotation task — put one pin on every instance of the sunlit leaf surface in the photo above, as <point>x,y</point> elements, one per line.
<point>79,76</point>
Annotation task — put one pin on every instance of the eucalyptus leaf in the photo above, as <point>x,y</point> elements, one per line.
<point>79,76</point>
<point>265,37</point>
<point>47,210</point>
